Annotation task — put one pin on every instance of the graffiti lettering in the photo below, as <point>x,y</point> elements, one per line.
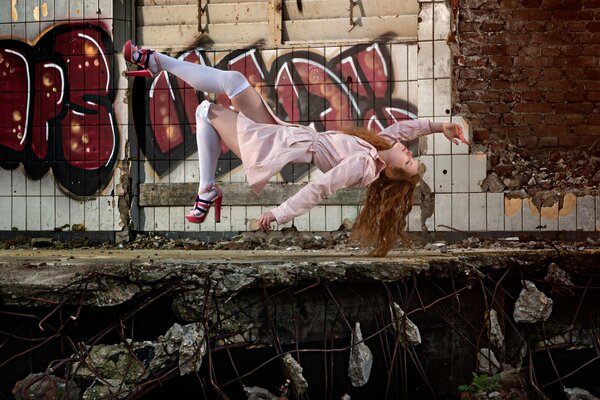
<point>59,100</point>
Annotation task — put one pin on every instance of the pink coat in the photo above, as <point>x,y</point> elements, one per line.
<point>346,160</point>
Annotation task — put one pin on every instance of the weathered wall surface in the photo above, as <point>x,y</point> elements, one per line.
<point>528,70</point>
<point>69,160</point>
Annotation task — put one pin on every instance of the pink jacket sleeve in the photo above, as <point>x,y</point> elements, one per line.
<point>406,130</point>
<point>356,170</point>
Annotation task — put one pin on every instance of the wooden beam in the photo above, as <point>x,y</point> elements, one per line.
<point>235,194</point>
<point>275,23</point>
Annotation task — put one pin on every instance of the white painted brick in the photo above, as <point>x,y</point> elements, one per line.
<point>513,214</point>
<point>460,173</point>
<point>413,51</point>
<point>47,185</point>
<point>33,187</point>
<point>5,181</point>
<point>426,98</point>
<point>425,60</point>
<point>425,27</point>
<point>349,212</point>
<point>161,219</point>
<point>586,207</point>
<point>317,218</point>
<point>495,211</point>
<point>19,212</point>
<point>460,211</point>
<point>333,216</point>
<point>400,61</point>
<point>443,174</point>
<point>477,171</point>
<point>107,213</point>
<point>47,214</point>
<point>19,184</point>
<point>176,218</point>
<point>92,214</point>
<point>413,93</point>
<point>62,211</point>
<point>441,21</point>
<point>549,220</point>
<point>442,60</point>
<point>6,206</point>
<point>77,209</point>
<point>238,218</point>
<point>302,222</point>
<point>531,216</point>
<point>567,216</point>
<point>414,219</point>
<point>428,176</point>
<point>477,212</point>
<point>33,213</point>
<point>443,211</point>
<point>442,92</point>
<point>225,224</point>
<point>441,145</point>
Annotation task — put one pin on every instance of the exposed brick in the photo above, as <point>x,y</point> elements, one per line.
<point>552,4</point>
<point>593,26</point>
<point>472,84</point>
<point>568,141</point>
<point>469,74</point>
<point>532,15</point>
<point>549,37</point>
<point>533,61</point>
<point>548,141</point>
<point>531,119</point>
<point>584,108</point>
<point>592,96</point>
<point>492,26</point>
<point>501,108</point>
<point>533,107</point>
<point>531,95</point>
<point>591,50</point>
<point>554,97</point>
<point>593,119</point>
<point>556,85</point>
<point>590,3</point>
<point>587,85</point>
<point>502,61</point>
<point>585,38</point>
<point>553,119</point>
<point>587,130</point>
<point>490,96</point>
<point>481,135</point>
<point>528,141</point>
<point>576,96</point>
<point>552,73</point>
<point>489,74</point>
<point>492,49</point>
<point>573,15</point>
<point>478,107</point>
<point>574,119</point>
<point>582,61</point>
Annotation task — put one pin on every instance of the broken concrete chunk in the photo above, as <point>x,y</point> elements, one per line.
<point>44,386</point>
<point>294,371</point>
<point>192,348</point>
<point>361,359</point>
<point>560,281</point>
<point>579,394</point>
<point>442,247</point>
<point>492,183</point>
<point>487,362</point>
<point>107,389</point>
<point>408,332</point>
<point>494,330</point>
<point>258,393</point>
<point>532,306</point>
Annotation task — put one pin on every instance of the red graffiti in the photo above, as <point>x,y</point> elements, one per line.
<point>60,95</point>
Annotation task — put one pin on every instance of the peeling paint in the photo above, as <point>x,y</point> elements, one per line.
<point>569,205</point>
<point>14,13</point>
<point>550,212</point>
<point>532,207</point>
<point>512,206</point>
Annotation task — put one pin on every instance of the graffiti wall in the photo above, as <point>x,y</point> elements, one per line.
<point>328,88</point>
<point>60,139</point>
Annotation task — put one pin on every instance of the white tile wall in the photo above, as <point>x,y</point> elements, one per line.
<point>426,61</point>
<point>6,207</point>
<point>442,92</point>
<point>567,216</point>
<point>92,214</point>
<point>460,174</point>
<point>442,60</point>
<point>33,204</point>
<point>549,220</point>
<point>317,218</point>
<point>443,174</point>
<point>460,211</point>
<point>333,217</point>
<point>531,216</point>
<point>425,27</point>
<point>107,213</point>
<point>477,212</point>
<point>19,213</point>
<point>441,21</point>
<point>513,214</point>
<point>443,211</point>
<point>495,211</point>
<point>414,219</point>
<point>477,171</point>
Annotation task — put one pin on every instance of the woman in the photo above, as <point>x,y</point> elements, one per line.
<point>265,144</point>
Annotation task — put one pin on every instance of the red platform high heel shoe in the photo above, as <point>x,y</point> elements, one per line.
<point>142,60</point>
<point>198,214</point>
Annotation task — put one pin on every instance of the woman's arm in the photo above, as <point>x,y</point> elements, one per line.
<point>352,171</point>
<point>412,129</point>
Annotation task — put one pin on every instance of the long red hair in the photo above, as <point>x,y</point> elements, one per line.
<point>389,199</point>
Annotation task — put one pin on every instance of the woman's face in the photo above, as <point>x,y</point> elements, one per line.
<point>402,158</point>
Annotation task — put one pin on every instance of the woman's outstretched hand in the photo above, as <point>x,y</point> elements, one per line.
<point>454,133</point>
<point>264,222</point>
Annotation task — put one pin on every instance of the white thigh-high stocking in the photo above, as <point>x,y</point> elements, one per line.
<point>201,77</point>
<point>209,150</point>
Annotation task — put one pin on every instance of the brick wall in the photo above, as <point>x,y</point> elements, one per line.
<point>529,70</point>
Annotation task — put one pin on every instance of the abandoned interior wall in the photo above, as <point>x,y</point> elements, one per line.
<point>108,154</point>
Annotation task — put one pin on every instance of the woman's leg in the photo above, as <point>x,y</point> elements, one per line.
<point>207,79</point>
